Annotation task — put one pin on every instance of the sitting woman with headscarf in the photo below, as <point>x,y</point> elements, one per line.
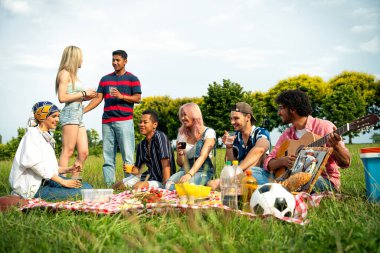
<point>35,172</point>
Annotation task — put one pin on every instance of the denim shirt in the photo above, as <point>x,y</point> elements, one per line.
<point>207,165</point>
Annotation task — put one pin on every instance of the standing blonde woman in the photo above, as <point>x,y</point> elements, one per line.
<point>194,157</point>
<point>71,92</point>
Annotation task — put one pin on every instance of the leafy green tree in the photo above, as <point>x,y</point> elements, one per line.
<point>365,85</point>
<point>375,138</point>
<point>344,105</point>
<point>257,101</point>
<point>57,135</point>
<point>167,110</point>
<point>94,144</point>
<point>314,86</point>
<point>218,102</point>
<point>8,150</point>
<point>92,137</point>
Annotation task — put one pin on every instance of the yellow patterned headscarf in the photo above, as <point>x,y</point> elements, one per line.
<point>42,110</point>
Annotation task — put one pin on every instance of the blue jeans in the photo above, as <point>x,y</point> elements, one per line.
<point>200,178</point>
<point>52,191</point>
<point>120,133</point>
<point>262,176</point>
<point>72,114</point>
<point>322,184</point>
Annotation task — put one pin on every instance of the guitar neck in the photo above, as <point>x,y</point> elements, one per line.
<point>322,141</point>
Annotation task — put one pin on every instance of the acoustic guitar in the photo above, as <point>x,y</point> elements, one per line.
<point>293,147</point>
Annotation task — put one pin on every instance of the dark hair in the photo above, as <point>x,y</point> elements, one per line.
<point>153,115</point>
<point>122,53</point>
<point>295,100</point>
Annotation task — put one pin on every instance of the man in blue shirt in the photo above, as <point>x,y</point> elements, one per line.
<point>155,152</point>
<point>250,144</point>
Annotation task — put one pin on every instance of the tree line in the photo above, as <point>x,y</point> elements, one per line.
<point>341,99</point>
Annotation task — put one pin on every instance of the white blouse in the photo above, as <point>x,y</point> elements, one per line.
<point>35,160</point>
<point>190,148</point>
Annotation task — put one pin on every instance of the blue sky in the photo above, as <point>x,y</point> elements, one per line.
<point>177,48</point>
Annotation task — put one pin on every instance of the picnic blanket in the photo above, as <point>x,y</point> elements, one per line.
<point>125,202</point>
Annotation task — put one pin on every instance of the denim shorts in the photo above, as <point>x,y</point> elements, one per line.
<point>72,114</point>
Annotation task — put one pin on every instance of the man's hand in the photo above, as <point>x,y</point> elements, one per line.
<point>228,140</point>
<point>287,161</point>
<point>333,139</point>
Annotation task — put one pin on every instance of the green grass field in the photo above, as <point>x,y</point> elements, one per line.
<point>348,224</point>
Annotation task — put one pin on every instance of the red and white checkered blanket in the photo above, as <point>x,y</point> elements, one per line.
<point>126,202</point>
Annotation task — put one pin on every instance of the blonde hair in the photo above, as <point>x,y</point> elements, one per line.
<point>70,61</point>
<point>194,113</point>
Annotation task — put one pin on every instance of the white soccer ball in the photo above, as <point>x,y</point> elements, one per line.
<point>274,199</point>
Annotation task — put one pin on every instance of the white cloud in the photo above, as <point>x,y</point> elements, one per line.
<point>362,28</point>
<point>15,6</point>
<point>219,19</point>
<point>36,61</point>
<point>371,46</point>
<point>242,58</point>
<point>164,40</point>
<point>366,13</point>
<point>327,2</point>
<point>290,9</point>
<point>344,49</point>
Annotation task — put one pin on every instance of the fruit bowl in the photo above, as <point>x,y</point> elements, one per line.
<point>197,191</point>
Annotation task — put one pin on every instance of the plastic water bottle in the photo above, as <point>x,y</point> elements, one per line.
<point>239,175</point>
<point>228,186</point>
<point>248,186</point>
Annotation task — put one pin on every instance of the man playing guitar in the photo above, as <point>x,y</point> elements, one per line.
<point>295,108</point>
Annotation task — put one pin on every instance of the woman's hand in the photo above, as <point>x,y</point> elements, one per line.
<point>90,93</point>
<point>70,183</point>
<point>185,178</point>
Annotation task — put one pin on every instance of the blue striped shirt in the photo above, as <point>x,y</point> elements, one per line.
<point>116,109</point>
<point>160,148</point>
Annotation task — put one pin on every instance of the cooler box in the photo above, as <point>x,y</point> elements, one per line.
<point>371,160</point>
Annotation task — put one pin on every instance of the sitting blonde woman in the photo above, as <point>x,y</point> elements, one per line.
<point>35,172</point>
<point>194,145</point>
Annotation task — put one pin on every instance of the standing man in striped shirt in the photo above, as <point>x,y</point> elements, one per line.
<point>120,90</point>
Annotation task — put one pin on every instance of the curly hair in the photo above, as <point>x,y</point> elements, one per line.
<point>295,100</point>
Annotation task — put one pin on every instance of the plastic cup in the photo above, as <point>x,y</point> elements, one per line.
<point>111,88</point>
<point>128,168</point>
<point>230,138</point>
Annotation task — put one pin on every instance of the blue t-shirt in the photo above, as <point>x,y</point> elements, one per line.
<point>240,149</point>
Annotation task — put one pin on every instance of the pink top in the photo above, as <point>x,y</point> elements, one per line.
<point>319,127</point>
